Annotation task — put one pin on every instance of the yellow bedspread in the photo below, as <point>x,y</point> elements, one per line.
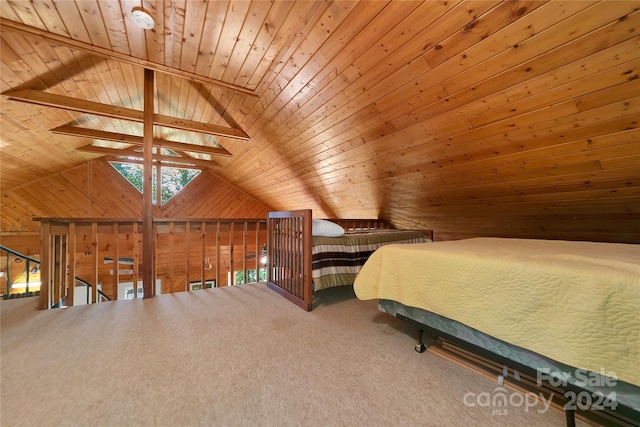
<point>575,302</point>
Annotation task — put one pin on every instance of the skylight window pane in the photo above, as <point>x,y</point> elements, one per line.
<point>173,179</point>
<point>131,172</point>
<point>168,152</point>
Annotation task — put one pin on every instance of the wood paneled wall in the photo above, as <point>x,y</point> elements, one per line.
<point>97,190</point>
<point>523,122</point>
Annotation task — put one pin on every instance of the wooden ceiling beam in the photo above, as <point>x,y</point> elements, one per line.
<point>16,27</point>
<point>137,157</point>
<point>137,140</point>
<point>90,107</point>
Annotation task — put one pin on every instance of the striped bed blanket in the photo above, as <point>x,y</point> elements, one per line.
<point>337,260</point>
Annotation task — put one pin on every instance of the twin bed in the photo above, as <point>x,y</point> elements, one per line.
<point>558,312</point>
<point>305,255</point>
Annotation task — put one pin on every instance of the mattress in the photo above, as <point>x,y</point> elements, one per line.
<point>337,260</point>
<point>574,302</point>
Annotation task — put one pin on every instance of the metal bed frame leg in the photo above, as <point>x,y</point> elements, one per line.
<point>570,417</point>
<point>420,347</point>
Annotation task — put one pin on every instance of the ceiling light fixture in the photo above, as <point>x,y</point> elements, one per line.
<point>142,18</point>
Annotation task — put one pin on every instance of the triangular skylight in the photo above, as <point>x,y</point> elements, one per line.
<point>173,179</point>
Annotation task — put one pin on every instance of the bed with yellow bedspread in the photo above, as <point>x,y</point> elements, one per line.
<point>574,302</point>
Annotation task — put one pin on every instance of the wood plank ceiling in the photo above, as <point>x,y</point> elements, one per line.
<point>477,117</point>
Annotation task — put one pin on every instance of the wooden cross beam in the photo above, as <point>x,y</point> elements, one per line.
<point>138,140</point>
<point>90,107</point>
<point>167,160</point>
<point>16,27</point>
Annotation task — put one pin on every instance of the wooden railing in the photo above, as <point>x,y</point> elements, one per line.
<point>189,254</point>
<point>289,235</point>
<point>289,255</point>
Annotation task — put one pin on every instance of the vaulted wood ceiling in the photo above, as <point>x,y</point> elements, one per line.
<point>467,116</point>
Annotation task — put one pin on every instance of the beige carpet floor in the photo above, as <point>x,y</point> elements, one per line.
<point>234,356</point>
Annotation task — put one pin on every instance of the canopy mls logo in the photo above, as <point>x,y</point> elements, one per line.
<point>499,399</point>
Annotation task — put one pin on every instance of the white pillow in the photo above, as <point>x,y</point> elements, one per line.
<point>324,228</point>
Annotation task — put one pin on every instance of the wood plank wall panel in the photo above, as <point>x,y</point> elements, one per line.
<point>209,196</point>
<point>97,190</point>
<point>401,181</point>
<point>467,117</point>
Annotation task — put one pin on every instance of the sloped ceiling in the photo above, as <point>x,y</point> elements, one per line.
<point>480,117</point>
